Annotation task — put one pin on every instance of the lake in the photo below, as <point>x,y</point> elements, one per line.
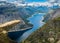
<point>36,20</point>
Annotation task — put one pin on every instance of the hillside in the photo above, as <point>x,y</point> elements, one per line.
<point>9,12</point>
<point>49,33</point>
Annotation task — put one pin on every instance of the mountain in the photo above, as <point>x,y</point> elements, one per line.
<point>52,14</point>
<point>49,33</point>
<point>9,12</point>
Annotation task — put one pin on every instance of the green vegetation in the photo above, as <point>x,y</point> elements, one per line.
<point>49,33</point>
<point>4,38</point>
<point>57,18</point>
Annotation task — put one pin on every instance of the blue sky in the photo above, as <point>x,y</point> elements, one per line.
<point>30,0</point>
<point>36,0</point>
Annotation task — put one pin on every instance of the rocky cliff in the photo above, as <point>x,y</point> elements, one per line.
<point>9,12</point>
<point>49,33</point>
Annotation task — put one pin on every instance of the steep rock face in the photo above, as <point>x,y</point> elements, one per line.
<point>9,12</point>
<point>53,14</point>
<point>49,33</point>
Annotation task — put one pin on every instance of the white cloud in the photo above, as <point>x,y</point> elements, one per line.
<point>48,3</point>
<point>40,4</point>
<point>59,4</point>
<point>36,4</point>
<point>33,4</point>
<point>3,0</point>
<point>52,0</point>
<point>18,3</point>
<point>58,1</point>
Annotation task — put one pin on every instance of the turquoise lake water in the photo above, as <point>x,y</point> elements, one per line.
<point>36,20</point>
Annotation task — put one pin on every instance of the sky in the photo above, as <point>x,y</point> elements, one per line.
<point>30,0</point>
<point>33,2</point>
<point>36,20</point>
<point>36,25</point>
<point>26,0</point>
<point>36,0</point>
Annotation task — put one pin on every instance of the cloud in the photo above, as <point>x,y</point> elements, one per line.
<point>39,4</point>
<point>51,0</point>
<point>19,3</point>
<point>33,4</point>
<point>36,4</point>
<point>3,0</point>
